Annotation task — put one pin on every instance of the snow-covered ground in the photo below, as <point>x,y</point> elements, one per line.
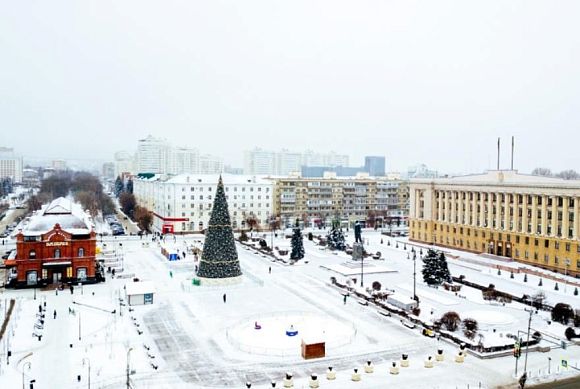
<point>190,338</point>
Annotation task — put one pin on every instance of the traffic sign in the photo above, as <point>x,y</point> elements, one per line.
<point>564,363</point>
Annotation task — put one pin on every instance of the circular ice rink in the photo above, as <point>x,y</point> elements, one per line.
<point>268,334</point>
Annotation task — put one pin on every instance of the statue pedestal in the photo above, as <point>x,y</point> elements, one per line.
<point>357,251</point>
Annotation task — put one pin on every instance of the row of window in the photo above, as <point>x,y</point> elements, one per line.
<point>192,197</point>
<point>56,253</point>
<point>519,199</point>
<point>227,189</point>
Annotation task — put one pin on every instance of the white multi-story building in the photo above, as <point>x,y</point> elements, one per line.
<point>285,162</point>
<point>152,155</point>
<point>10,164</point>
<point>209,164</point>
<point>258,161</point>
<point>124,163</point>
<point>183,203</point>
<point>157,156</point>
<point>183,160</point>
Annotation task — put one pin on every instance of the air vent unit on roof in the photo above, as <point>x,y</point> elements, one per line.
<point>199,180</point>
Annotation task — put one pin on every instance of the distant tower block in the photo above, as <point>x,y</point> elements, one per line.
<point>219,262</point>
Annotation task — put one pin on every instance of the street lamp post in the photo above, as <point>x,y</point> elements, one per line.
<point>24,368</point>
<point>525,375</point>
<point>89,362</point>
<point>566,275</point>
<point>415,276</point>
<point>128,367</point>
<point>79,325</point>
<point>549,361</point>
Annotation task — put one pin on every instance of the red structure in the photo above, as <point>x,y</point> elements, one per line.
<point>57,246</point>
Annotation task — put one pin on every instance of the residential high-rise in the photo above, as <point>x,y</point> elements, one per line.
<point>124,163</point>
<point>531,219</point>
<point>285,162</point>
<point>421,171</point>
<point>375,166</point>
<point>152,155</point>
<point>259,162</point>
<point>210,164</point>
<point>10,164</point>
<point>183,160</point>
<point>108,170</point>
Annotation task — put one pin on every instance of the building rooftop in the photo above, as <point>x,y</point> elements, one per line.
<point>228,179</point>
<point>503,178</point>
<point>62,211</point>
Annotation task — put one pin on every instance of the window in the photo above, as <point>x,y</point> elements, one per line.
<point>31,277</point>
<point>81,252</point>
<point>82,273</point>
<point>32,254</point>
<point>57,253</point>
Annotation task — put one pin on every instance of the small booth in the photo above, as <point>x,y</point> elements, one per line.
<point>170,252</point>
<point>140,293</point>
<point>313,348</point>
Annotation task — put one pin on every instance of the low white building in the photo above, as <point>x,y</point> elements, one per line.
<point>140,293</point>
<point>183,204</point>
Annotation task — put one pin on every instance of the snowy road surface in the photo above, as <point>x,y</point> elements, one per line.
<point>190,338</point>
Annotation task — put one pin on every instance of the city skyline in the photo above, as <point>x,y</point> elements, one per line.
<point>374,80</point>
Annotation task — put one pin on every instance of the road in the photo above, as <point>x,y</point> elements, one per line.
<point>571,383</point>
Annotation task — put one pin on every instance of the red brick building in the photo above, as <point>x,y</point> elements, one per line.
<point>57,245</point>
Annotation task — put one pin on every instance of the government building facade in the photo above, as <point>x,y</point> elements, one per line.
<point>530,219</point>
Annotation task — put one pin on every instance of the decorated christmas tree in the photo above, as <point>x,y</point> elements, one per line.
<point>219,258</point>
<point>297,244</point>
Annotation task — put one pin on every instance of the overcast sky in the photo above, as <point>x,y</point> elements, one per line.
<point>417,81</point>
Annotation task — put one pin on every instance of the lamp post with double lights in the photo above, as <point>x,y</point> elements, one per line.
<point>129,367</point>
<point>414,275</point>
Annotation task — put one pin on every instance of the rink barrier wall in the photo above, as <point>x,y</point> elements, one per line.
<point>282,352</point>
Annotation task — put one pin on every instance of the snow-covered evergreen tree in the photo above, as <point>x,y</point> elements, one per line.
<point>119,187</point>
<point>297,244</point>
<point>443,273</point>
<point>435,270</point>
<point>335,237</point>
<point>430,266</point>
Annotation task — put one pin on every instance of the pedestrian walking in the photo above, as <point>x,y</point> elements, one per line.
<point>171,273</point>
<point>54,314</point>
<point>72,288</point>
<point>344,299</point>
<point>270,270</point>
<point>224,298</point>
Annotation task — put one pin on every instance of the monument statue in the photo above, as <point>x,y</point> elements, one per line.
<point>357,233</point>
